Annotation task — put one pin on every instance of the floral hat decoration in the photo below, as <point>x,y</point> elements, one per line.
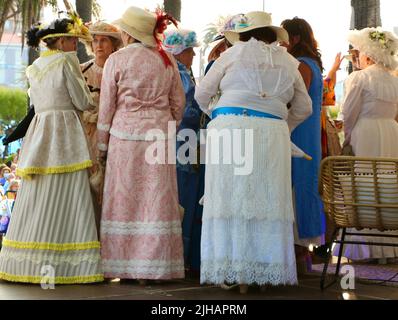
<point>380,45</point>
<point>226,24</point>
<point>176,41</point>
<point>254,20</point>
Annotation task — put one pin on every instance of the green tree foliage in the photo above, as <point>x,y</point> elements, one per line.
<point>173,7</point>
<point>13,104</point>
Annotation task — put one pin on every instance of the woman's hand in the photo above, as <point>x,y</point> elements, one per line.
<point>337,62</point>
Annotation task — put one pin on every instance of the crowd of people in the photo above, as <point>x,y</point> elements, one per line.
<point>9,185</point>
<point>96,200</point>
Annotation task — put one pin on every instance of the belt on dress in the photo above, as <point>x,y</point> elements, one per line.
<point>240,111</point>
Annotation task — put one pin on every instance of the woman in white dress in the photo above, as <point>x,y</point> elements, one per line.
<point>52,235</point>
<point>247,231</point>
<point>370,108</point>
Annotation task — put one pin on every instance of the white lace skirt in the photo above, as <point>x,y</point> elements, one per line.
<point>247,252</point>
<point>247,230</point>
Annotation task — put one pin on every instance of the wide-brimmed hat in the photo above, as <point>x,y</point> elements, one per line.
<point>379,45</point>
<point>255,20</point>
<point>226,24</point>
<point>75,28</point>
<point>101,28</point>
<point>178,40</point>
<point>139,24</point>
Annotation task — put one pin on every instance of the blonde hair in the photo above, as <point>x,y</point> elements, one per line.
<point>13,183</point>
<point>4,169</point>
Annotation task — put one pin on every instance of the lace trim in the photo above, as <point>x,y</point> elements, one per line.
<point>51,246</point>
<point>57,280</point>
<point>74,259</point>
<point>247,272</point>
<point>27,172</point>
<point>34,72</point>
<point>143,266</point>
<point>103,127</point>
<point>129,228</point>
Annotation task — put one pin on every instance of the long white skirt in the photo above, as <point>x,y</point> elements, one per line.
<point>247,231</point>
<point>373,138</point>
<point>52,232</point>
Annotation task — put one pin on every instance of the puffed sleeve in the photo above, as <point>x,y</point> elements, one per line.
<point>177,96</point>
<point>351,106</point>
<point>209,86</point>
<point>77,87</point>
<point>301,104</point>
<point>108,99</point>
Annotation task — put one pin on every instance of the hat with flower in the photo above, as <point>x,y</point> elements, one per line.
<point>227,24</point>
<point>176,41</point>
<point>379,45</point>
<point>72,26</point>
<point>255,20</point>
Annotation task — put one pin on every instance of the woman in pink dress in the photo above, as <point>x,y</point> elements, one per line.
<point>141,90</point>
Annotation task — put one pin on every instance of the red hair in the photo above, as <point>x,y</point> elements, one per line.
<point>162,20</point>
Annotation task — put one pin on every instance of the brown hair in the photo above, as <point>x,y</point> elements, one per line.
<point>265,34</point>
<point>307,45</point>
<point>117,44</point>
<point>50,43</point>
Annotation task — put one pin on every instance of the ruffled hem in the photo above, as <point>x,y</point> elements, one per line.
<point>50,246</point>
<point>57,280</point>
<point>247,272</point>
<point>26,173</point>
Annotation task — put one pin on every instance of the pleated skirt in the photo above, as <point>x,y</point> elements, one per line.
<point>52,232</point>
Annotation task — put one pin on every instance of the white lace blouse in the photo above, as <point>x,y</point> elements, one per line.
<point>258,76</point>
<point>369,93</point>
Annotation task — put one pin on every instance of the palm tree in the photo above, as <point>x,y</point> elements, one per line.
<point>365,13</point>
<point>173,7</point>
<point>7,11</point>
<point>85,10</point>
<point>28,11</point>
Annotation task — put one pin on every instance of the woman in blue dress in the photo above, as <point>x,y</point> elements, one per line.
<point>307,136</point>
<point>181,44</point>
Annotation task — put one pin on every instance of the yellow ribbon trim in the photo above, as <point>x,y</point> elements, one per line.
<point>75,35</point>
<point>50,53</point>
<point>51,246</point>
<point>27,172</point>
<point>57,280</point>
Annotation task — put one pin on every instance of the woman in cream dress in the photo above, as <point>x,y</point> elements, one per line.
<point>52,232</point>
<point>370,108</point>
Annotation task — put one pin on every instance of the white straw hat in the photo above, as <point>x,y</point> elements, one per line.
<point>255,20</point>
<point>381,46</point>
<point>140,24</point>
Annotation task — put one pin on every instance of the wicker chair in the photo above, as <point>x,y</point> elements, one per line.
<point>358,193</point>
